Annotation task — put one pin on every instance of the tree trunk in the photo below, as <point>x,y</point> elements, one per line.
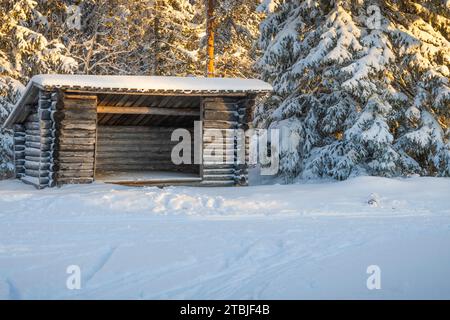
<point>210,19</point>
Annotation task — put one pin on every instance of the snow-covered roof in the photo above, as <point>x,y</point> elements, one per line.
<point>135,84</point>
<point>152,84</point>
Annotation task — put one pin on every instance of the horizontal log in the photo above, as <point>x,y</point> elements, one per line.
<point>68,161</point>
<point>39,139</point>
<point>77,97</point>
<point>40,133</point>
<point>124,137</point>
<point>19,162</point>
<point>77,141</point>
<point>219,171</point>
<point>38,125</point>
<point>76,147</point>
<point>75,173</point>
<point>133,160</point>
<point>35,165</point>
<point>73,115</point>
<point>79,125</point>
<point>34,117</point>
<point>69,154</point>
<point>45,115</point>
<point>62,181</point>
<point>19,155</point>
<point>75,133</point>
<point>39,183</point>
<point>212,183</point>
<point>134,149</point>
<point>37,145</point>
<point>218,177</point>
<point>37,159</point>
<point>76,165</point>
<point>218,166</point>
<point>36,173</point>
<point>19,127</point>
<point>140,167</point>
<point>221,115</point>
<point>19,140</point>
<point>149,110</point>
<point>217,124</point>
<point>32,152</point>
<point>18,134</point>
<point>220,106</point>
<point>133,129</point>
<point>20,169</point>
<point>135,140</point>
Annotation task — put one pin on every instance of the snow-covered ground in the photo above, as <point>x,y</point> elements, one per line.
<point>312,240</point>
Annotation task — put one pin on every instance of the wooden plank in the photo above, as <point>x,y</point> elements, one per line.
<point>62,181</point>
<point>221,115</point>
<point>81,173</point>
<point>76,147</point>
<point>78,165</point>
<point>36,165</point>
<point>79,97</point>
<point>38,183</point>
<point>149,110</point>
<point>79,125</point>
<point>161,93</point>
<point>36,173</point>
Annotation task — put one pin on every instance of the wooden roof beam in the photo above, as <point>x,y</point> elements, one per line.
<point>149,110</point>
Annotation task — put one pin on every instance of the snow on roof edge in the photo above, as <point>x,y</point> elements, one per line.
<point>153,83</point>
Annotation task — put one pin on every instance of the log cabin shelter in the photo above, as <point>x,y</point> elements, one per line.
<point>117,129</point>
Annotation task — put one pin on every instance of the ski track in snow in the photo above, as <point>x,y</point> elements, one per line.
<point>312,240</point>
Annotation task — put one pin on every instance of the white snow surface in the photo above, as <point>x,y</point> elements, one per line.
<point>301,241</point>
<point>146,83</point>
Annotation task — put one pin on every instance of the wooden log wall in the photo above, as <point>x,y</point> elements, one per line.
<point>76,123</point>
<point>19,150</point>
<point>226,115</point>
<point>135,148</point>
<point>33,144</point>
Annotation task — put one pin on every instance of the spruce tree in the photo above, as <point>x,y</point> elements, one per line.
<point>363,84</point>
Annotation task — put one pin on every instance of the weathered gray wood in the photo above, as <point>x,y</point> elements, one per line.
<point>217,124</point>
<point>19,141</point>
<point>37,145</point>
<point>79,125</point>
<point>74,133</point>
<point>160,159</point>
<point>133,129</point>
<point>37,159</point>
<point>81,173</point>
<point>149,110</point>
<point>35,165</point>
<point>61,181</point>
<point>77,141</point>
<point>217,183</point>
<point>76,147</point>
<point>221,115</point>
<point>39,139</point>
<point>36,173</point>
<point>74,154</point>
<point>134,149</point>
<point>78,165</point>
<point>38,183</point>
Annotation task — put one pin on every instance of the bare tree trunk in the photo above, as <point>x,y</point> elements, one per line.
<point>156,42</point>
<point>210,25</point>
